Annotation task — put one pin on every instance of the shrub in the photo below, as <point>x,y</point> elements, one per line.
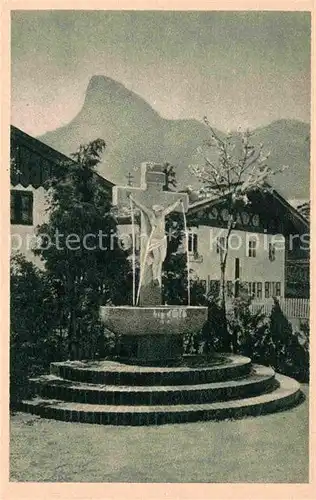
<point>250,332</point>
<point>35,340</point>
<point>291,348</point>
<point>270,341</point>
<point>214,334</point>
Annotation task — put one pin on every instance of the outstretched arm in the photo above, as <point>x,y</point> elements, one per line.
<point>171,208</point>
<point>140,206</point>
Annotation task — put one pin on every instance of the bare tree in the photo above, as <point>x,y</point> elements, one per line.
<point>236,169</point>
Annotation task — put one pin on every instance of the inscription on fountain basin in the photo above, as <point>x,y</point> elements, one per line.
<point>161,320</point>
<point>166,316</point>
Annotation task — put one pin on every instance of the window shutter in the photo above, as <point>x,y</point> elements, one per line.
<point>195,246</point>
<point>190,246</point>
<point>21,207</point>
<point>13,216</point>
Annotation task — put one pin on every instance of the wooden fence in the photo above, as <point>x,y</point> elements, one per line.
<point>292,308</point>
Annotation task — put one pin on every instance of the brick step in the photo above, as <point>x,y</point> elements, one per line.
<point>49,386</point>
<point>116,373</point>
<point>285,396</point>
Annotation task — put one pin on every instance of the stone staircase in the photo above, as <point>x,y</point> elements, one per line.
<point>114,393</point>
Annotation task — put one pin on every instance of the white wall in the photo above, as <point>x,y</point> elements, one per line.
<point>21,235</point>
<point>252,269</point>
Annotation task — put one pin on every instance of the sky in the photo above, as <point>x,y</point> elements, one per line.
<point>239,68</point>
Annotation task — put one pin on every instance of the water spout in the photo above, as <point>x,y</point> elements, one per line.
<point>133,253</point>
<point>187,251</point>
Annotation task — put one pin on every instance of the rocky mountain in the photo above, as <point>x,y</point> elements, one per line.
<point>134,133</point>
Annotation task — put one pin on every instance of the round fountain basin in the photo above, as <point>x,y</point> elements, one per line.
<point>154,320</point>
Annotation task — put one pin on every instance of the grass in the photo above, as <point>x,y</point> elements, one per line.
<point>271,448</point>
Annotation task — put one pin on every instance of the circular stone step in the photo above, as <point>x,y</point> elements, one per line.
<point>285,396</point>
<point>49,386</point>
<point>116,373</point>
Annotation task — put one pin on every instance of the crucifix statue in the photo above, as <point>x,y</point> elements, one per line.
<point>154,205</point>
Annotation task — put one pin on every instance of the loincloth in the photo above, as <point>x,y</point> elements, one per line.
<point>156,244</point>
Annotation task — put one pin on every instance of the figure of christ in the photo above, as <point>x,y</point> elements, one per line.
<point>157,243</point>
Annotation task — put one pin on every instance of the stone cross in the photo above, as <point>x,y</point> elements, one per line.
<point>149,195</point>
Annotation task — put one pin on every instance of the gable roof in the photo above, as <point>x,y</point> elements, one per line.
<point>295,216</point>
<point>45,152</point>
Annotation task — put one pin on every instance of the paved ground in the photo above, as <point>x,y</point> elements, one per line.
<point>271,448</point>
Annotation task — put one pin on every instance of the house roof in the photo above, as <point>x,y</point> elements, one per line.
<point>46,152</point>
<point>296,217</point>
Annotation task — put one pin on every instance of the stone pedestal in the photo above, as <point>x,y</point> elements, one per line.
<point>150,295</point>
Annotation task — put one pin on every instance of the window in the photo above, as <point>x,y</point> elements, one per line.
<point>21,207</point>
<point>259,290</point>
<point>252,248</point>
<point>254,289</point>
<point>220,244</point>
<point>267,290</point>
<point>271,252</point>
<point>272,289</point>
<point>276,289</point>
<point>192,243</point>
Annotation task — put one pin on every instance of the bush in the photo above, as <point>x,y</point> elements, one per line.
<point>270,341</point>
<point>213,336</point>
<point>250,332</point>
<point>291,348</point>
<point>35,340</point>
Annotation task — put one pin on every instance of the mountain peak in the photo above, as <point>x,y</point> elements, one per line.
<point>100,81</point>
<point>104,93</point>
<point>101,86</point>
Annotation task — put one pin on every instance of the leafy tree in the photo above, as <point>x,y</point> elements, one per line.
<point>235,170</point>
<point>80,248</point>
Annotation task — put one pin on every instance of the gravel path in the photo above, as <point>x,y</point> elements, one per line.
<point>271,448</point>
